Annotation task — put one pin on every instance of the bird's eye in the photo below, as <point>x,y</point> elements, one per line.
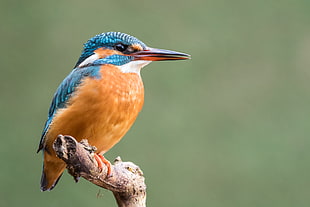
<point>120,47</point>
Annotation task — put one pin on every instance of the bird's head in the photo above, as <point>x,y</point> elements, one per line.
<point>124,51</point>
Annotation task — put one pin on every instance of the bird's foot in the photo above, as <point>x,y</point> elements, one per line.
<point>101,160</point>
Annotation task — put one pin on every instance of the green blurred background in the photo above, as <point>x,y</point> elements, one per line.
<point>228,128</point>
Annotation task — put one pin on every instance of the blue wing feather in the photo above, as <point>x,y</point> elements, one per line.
<point>65,91</point>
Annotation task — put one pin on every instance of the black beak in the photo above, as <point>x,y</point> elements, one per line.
<point>153,54</point>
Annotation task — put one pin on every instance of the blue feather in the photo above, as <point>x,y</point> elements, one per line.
<point>114,60</point>
<point>65,91</point>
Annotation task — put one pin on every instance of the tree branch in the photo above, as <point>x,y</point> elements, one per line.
<point>126,181</point>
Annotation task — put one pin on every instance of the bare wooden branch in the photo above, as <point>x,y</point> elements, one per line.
<point>126,181</point>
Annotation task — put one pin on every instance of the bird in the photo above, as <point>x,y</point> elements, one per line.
<point>100,99</point>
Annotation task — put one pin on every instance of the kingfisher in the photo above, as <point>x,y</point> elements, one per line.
<point>100,99</point>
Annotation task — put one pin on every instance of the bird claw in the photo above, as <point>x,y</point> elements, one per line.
<point>101,160</point>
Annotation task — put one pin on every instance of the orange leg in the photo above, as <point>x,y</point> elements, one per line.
<point>101,160</point>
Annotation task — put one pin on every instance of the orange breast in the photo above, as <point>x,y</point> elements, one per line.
<point>101,110</point>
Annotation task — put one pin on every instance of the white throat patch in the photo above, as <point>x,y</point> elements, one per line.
<point>133,66</point>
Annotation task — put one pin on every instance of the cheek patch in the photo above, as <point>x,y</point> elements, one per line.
<point>102,53</point>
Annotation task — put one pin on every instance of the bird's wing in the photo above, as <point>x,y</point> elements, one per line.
<point>65,91</point>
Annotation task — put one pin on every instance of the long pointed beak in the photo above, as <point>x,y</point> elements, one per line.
<point>153,54</point>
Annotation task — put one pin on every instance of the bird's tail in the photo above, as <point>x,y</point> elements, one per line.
<point>53,168</point>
